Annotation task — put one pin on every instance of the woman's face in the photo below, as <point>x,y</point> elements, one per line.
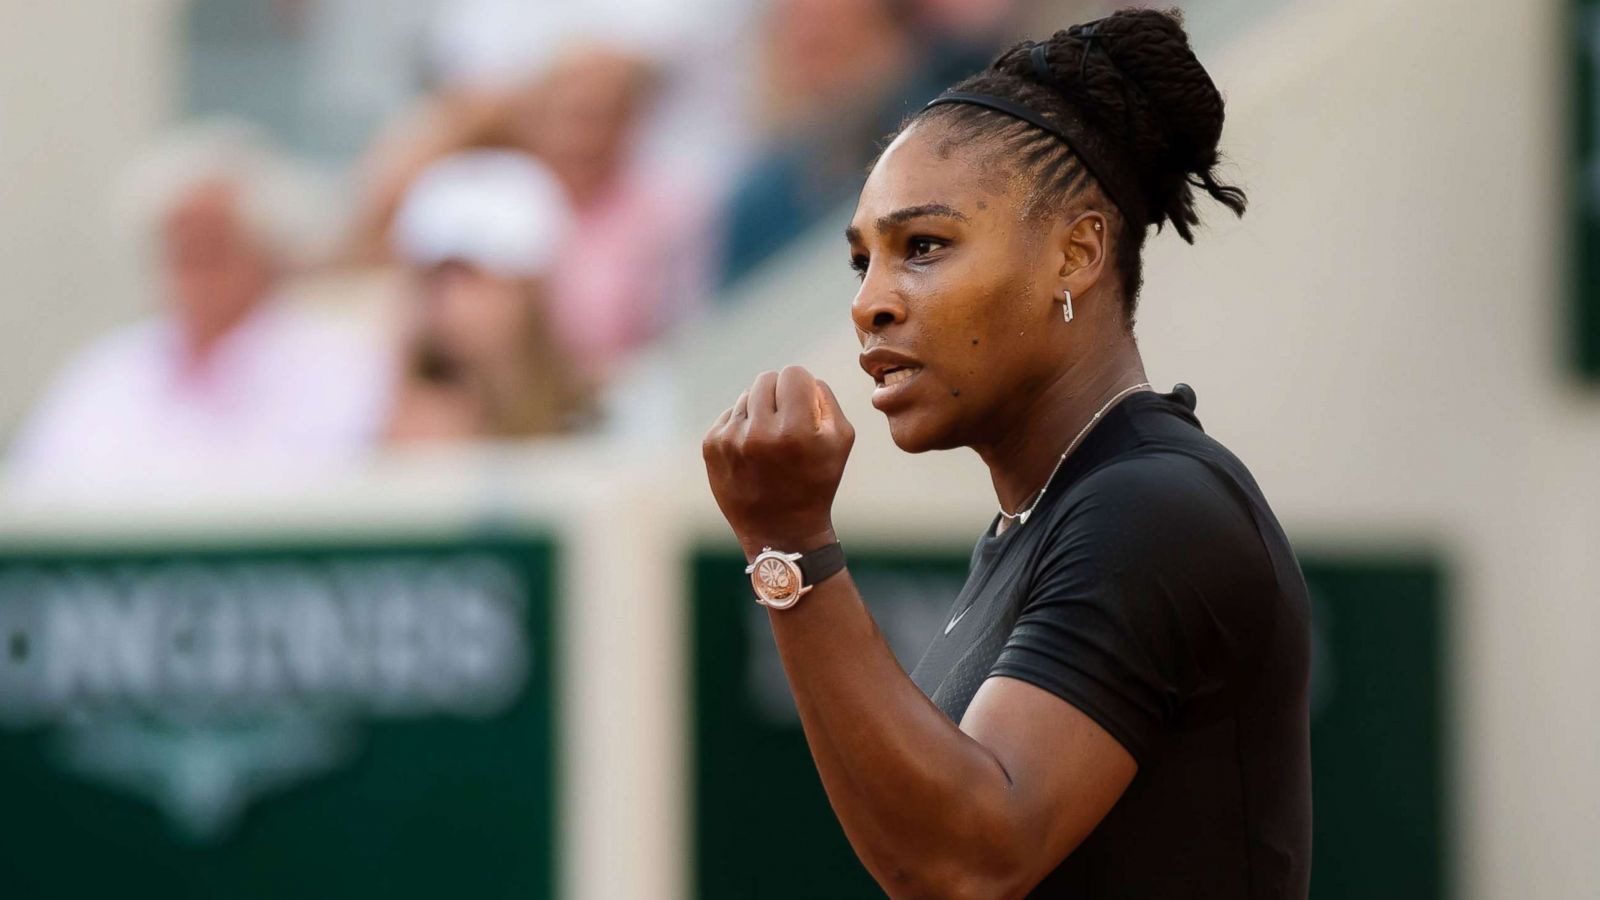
<point>959,291</point>
<point>476,317</point>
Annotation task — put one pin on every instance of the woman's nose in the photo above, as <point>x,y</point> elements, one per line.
<point>876,307</point>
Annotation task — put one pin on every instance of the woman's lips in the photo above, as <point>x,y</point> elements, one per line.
<point>894,385</point>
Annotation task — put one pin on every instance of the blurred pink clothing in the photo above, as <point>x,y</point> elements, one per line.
<point>284,397</point>
<point>635,265</point>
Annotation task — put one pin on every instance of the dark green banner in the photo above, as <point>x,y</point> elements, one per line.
<point>332,721</point>
<point>1584,186</point>
<point>763,824</point>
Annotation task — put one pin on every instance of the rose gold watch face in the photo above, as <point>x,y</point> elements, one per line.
<point>775,580</point>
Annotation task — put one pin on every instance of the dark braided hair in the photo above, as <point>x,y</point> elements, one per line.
<point>1145,104</point>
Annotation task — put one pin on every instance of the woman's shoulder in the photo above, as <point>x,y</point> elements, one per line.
<point>1164,458</point>
<point>1160,492</point>
<point>1160,473</point>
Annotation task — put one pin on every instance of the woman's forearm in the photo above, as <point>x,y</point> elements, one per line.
<point>923,804</point>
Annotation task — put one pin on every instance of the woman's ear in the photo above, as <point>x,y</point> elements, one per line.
<point>1084,248</point>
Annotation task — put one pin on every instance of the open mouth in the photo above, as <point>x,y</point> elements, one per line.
<point>897,375</point>
<point>893,371</point>
<point>893,387</point>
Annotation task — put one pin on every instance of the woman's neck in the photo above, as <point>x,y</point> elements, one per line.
<point>1021,462</point>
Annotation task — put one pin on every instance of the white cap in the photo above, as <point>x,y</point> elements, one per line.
<point>498,210</point>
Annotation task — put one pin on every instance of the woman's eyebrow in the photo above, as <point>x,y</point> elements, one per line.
<point>926,210</point>
<point>890,220</point>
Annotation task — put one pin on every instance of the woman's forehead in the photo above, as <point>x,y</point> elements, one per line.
<point>918,169</point>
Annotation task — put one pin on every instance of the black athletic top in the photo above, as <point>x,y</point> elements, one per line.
<point>1153,590</point>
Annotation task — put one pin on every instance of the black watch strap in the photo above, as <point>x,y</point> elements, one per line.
<point>821,563</point>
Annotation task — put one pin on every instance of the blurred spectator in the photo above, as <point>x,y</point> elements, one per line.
<point>230,380</point>
<point>636,261</point>
<point>694,124</point>
<point>969,21</point>
<point>636,264</point>
<point>836,76</point>
<point>961,37</point>
<point>479,232</point>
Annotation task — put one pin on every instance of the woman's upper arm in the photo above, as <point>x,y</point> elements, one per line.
<point>1065,772</point>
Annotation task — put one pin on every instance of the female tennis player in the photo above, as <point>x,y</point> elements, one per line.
<point>1117,704</point>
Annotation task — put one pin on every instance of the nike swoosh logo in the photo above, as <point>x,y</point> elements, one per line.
<point>958,618</point>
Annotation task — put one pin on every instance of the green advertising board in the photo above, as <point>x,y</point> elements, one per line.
<point>336,720</point>
<point>1584,186</point>
<point>763,827</point>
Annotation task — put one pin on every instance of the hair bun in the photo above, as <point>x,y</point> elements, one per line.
<point>1147,88</point>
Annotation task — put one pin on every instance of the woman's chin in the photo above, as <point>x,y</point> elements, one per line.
<point>916,434</point>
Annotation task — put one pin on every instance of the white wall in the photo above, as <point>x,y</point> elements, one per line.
<point>83,85</point>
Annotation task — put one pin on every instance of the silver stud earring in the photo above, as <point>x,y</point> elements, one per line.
<point>1066,311</point>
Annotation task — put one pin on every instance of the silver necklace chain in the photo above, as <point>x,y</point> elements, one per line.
<point>1021,518</point>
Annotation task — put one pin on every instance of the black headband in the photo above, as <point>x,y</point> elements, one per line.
<point>1124,192</point>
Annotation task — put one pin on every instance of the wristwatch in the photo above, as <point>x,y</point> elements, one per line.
<point>781,579</point>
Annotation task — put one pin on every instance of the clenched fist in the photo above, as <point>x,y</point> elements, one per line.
<point>775,459</point>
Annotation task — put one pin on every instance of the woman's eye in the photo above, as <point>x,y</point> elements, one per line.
<point>922,246</point>
<point>858,264</point>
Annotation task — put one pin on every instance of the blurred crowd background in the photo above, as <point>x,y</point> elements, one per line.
<point>321,317</point>
<point>364,224</point>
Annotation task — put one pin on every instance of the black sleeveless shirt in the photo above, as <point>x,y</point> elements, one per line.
<point>1153,590</point>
